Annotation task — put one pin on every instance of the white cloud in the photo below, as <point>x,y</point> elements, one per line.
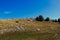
<point>7,12</point>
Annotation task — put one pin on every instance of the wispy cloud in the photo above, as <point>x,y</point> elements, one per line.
<point>7,12</point>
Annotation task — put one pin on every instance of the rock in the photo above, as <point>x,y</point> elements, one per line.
<point>38,29</point>
<point>22,28</point>
<point>1,32</point>
<point>18,28</point>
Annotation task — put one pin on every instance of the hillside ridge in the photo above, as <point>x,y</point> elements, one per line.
<point>27,25</point>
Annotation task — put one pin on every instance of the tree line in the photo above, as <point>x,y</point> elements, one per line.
<point>41,18</point>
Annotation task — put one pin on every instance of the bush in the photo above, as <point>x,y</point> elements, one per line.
<point>40,18</point>
<point>47,19</point>
<point>59,20</point>
<point>37,19</point>
<point>17,21</point>
<point>54,20</point>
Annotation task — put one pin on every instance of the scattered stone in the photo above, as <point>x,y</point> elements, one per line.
<point>38,29</point>
<point>18,28</point>
<point>22,28</point>
<point>1,32</point>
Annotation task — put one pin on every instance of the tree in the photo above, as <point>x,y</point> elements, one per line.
<point>54,20</point>
<point>40,18</point>
<point>47,19</point>
<point>37,19</point>
<point>59,20</point>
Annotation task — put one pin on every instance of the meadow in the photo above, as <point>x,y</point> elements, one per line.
<point>29,29</point>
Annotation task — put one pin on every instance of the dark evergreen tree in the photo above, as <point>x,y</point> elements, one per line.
<point>37,19</point>
<point>59,20</point>
<point>56,20</point>
<point>40,18</point>
<point>47,19</point>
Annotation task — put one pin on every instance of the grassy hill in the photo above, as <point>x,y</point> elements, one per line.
<point>29,29</point>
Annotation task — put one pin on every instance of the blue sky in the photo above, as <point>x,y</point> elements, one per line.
<point>29,8</point>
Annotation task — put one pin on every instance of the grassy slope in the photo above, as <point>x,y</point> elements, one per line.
<point>27,36</point>
<point>49,30</point>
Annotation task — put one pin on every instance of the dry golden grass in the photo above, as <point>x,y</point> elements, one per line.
<point>28,23</point>
<point>34,30</point>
